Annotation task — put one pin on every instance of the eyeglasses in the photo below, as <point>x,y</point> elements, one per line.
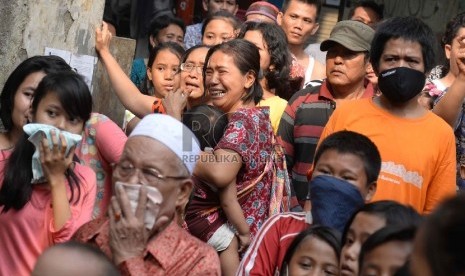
<point>189,67</point>
<point>150,175</point>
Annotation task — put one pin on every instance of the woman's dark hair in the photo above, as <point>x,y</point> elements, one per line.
<point>442,238</point>
<point>223,15</point>
<point>162,22</point>
<point>394,213</point>
<point>173,47</point>
<point>378,9</point>
<point>408,28</point>
<point>246,58</point>
<point>46,64</point>
<point>385,235</point>
<point>452,29</point>
<point>280,57</point>
<point>75,97</point>
<point>207,122</point>
<point>323,233</point>
<point>349,142</point>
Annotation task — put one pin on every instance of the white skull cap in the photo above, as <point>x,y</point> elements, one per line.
<point>173,134</point>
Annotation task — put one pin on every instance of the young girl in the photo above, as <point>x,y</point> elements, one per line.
<point>164,28</point>
<point>219,27</point>
<point>17,93</point>
<point>314,251</point>
<point>162,70</point>
<point>102,140</point>
<point>191,81</point>
<point>35,216</point>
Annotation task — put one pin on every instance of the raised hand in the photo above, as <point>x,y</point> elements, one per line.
<point>102,38</point>
<point>175,103</point>
<point>54,160</point>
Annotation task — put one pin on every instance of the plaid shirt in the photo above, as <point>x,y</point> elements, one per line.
<point>300,129</point>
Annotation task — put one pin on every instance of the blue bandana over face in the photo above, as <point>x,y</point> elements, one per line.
<point>334,201</point>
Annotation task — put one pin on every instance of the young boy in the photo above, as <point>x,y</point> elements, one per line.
<point>417,147</point>
<point>386,251</point>
<point>347,157</point>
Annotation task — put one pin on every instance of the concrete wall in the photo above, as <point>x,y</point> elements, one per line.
<point>28,26</point>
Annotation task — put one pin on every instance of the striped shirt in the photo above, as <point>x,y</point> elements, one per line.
<point>266,252</point>
<point>299,131</point>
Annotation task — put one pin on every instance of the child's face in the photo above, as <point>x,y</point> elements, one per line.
<point>386,258</point>
<point>346,166</point>
<point>164,73</point>
<point>363,225</point>
<point>218,31</point>
<point>314,257</point>
<point>51,112</point>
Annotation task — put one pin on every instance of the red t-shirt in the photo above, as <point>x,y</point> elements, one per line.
<point>267,251</point>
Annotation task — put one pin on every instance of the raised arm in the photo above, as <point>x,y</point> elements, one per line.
<point>127,92</point>
<point>450,105</point>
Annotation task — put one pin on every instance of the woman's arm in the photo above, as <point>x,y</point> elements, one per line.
<point>127,92</point>
<point>234,214</point>
<point>219,168</point>
<point>450,105</point>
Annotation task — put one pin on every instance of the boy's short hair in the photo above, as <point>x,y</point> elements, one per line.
<point>394,213</point>
<point>383,236</point>
<point>408,28</point>
<point>369,4</point>
<point>208,124</point>
<point>353,143</point>
<point>316,3</point>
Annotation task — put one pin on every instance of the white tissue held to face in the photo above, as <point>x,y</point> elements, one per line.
<point>154,199</point>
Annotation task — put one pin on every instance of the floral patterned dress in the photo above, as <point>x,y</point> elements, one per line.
<point>249,133</point>
<point>102,144</point>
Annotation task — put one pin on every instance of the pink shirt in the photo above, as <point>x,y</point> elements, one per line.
<point>102,144</point>
<point>26,233</point>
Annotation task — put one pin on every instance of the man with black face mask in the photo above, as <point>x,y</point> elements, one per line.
<point>417,147</point>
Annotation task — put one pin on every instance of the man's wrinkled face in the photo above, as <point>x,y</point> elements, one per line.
<point>143,160</point>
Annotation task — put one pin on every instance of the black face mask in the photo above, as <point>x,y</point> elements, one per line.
<point>401,84</point>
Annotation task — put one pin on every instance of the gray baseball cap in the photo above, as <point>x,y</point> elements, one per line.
<point>354,35</point>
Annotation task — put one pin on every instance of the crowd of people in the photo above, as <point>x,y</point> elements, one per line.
<point>243,153</point>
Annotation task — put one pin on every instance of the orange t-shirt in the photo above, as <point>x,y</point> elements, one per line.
<point>418,155</point>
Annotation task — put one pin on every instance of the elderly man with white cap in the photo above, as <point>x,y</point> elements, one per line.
<point>152,183</point>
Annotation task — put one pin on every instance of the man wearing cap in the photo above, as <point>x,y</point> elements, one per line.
<point>262,11</point>
<point>157,162</point>
<point>310,108</point>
